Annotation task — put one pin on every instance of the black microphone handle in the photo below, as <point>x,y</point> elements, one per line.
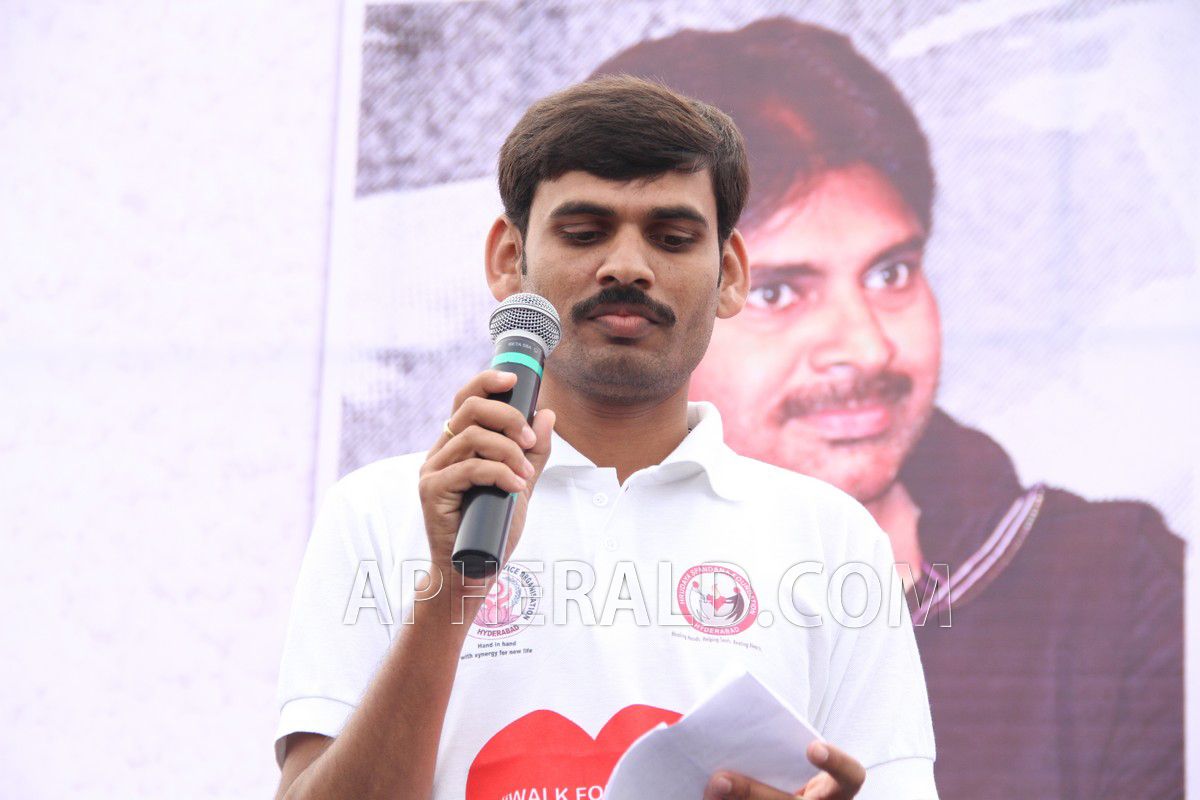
<point>486,510</point>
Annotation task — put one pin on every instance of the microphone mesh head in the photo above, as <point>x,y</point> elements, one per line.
<point>530,313</point>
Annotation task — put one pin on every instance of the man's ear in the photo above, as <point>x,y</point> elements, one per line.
<point>502,258</point>
<point>735,276</point>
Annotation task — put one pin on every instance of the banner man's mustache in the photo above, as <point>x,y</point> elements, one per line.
<point>624,295</point>
<point>883,388</point>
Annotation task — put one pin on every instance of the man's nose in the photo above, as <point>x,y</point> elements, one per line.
<point>851,337</point>
<point>626,262</point>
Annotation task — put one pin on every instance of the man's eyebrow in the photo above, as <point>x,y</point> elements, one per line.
<point>805,269</point>
<point>907,246</point>
<point>572,208</point>
<point>678,212</point>
<point>795,269</point>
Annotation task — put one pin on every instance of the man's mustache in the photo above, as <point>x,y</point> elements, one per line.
<point>624,295</point>
<point>882,388</point>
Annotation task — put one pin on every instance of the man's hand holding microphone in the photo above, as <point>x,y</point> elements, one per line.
<point>485,442</point>
<point>477,479</point>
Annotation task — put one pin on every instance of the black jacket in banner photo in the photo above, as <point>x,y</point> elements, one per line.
<point>1054,652</point>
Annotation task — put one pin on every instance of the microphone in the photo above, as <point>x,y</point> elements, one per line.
<point>526,329</point>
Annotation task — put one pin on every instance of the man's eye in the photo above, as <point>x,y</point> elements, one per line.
<point>771,296</point>
<point>894,275</point>
<point>674,241</point>
<point>582,236</point>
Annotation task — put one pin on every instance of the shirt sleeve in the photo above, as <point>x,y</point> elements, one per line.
<point>327,662</point>
<point>878,709</point>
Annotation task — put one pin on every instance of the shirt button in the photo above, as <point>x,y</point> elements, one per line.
<point>610,544</point>
<point>599,499</point>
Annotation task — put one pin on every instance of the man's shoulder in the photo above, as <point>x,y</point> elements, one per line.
<point>1119,528</point>
<point>793,495</point>
<point>959,467</point>
<point>761,477</point>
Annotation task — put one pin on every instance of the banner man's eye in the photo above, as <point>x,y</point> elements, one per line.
<point>892,275</point>
<point>771,296</point>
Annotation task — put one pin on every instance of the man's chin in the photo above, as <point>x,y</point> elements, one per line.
<point>864,487</point>
<point>622,377</point>
<point>864,469</point>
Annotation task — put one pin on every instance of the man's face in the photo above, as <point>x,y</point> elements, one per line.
<point>632,267</point>
<point>831,368</point>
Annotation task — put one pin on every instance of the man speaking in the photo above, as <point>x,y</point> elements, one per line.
<point>647,558</point>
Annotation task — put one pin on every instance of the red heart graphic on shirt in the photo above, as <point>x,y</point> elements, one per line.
<point>545,756</point>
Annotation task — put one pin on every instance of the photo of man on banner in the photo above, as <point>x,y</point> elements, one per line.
<point>1050,627</point>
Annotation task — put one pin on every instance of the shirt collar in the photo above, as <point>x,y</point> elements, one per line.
<point>702,450</point>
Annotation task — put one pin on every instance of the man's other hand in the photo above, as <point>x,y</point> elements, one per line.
<point>840,779</point>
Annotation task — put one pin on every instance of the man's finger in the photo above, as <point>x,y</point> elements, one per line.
<point>732,786</point>
<point>539,454</point>
<point>495,415</point>
<point>484,443</point>
<point>447,485</point>
<point>843,775</point>
<point>490,381</point>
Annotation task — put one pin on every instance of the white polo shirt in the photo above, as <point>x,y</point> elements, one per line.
<point>622,605</point>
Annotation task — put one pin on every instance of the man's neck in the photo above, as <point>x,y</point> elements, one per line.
<point>899,515</point>
<point>627,437</point>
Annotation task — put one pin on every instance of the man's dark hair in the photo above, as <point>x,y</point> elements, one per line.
<point>806,101</point>
<point>623,128</point>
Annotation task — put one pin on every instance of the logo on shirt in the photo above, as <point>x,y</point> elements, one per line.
<point>717,599</point>
<point>510,605</point>
<point>547,756</point>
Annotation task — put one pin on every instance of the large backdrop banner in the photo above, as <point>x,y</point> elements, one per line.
<point>990,207</point>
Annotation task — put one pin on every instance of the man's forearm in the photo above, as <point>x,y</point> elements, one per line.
<point>388,748</point>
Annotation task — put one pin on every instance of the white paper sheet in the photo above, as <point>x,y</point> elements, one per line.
<point>742,726</point>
